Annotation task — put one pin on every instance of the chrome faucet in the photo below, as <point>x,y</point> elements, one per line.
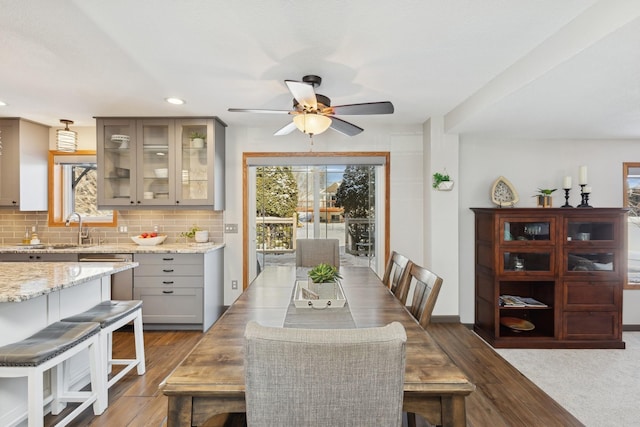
<point>80,234</point>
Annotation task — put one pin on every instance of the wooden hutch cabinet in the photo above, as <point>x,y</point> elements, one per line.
<point>572,261</point>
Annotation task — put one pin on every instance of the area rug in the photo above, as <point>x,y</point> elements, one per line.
<point>601,388</point>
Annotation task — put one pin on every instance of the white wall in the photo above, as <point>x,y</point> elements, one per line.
<point>405,146</point>
<point>529,165</point>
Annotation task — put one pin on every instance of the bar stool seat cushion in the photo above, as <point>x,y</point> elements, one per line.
<point>47,343</point>
<point>106,313</point>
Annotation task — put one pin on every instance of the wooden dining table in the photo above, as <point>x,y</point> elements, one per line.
<point>210,380</point>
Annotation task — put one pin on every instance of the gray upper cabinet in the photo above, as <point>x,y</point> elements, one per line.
<point>161,161</point>
<point>23,164</point>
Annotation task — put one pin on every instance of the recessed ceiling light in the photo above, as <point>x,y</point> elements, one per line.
<point>3,104</point>
<point>175,101</point>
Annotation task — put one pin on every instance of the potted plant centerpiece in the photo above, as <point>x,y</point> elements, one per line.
<point>324,280</point>
<point>442,181</point>
<point>544,197</point>
<point>197,139</point>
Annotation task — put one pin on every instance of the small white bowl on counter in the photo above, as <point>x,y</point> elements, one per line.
<point>148,241</point>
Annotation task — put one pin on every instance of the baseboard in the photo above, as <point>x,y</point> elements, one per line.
<point>631,328</point>
<point>445,319</point>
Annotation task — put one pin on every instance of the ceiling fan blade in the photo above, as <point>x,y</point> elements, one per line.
<point>304,94</point>
<point>286,130</point>
<point>254,110</point>
<point>344,128</point>
<point>360,109</point>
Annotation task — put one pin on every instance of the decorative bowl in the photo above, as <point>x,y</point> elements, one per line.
<point>122,173</point>
<point>161,173</point>
<point>148,241</point>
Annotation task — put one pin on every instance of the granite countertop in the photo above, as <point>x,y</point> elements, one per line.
<point>20,281</point>
<point>125,248</point>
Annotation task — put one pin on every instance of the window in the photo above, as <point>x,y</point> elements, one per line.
<point>73,188</point>
<point>631,185</point>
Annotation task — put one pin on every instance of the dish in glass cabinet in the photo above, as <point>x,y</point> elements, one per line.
<point>503,193</point>
<point>517,324</point>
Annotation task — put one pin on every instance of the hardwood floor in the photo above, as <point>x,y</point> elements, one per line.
<point>503,396</point>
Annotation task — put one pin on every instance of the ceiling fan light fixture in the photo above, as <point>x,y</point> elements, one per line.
<point>311,123</point>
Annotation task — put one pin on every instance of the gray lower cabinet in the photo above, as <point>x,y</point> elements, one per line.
<point>23,257</point>
<point>179,291</point>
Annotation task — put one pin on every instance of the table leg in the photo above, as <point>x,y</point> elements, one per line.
<point>454,413</point>
<point>179,411</point>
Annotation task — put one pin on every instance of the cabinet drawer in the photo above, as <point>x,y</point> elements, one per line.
<point>166,259</point>
<point>592,295</point>
<point>591,325</point>
<point>22,257</point>
<point>169,282</point>
<point>168,270</point>
<point>183,305</point>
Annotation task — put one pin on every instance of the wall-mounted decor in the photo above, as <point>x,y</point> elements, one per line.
<point>442,181</point>
<point>503,193</point>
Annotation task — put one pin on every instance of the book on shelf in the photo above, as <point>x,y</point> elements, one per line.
<point>518,301</point>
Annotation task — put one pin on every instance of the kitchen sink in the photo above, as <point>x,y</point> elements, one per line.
<point>62,246</point>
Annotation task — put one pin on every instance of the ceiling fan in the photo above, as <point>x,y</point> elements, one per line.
<point>313,114</point>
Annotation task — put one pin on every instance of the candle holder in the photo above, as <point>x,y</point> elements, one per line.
<point>566,199</point>
<point>585,198</point>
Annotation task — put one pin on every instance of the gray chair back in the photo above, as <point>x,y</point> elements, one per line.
<point>311,252</point>
<point>324,377</point>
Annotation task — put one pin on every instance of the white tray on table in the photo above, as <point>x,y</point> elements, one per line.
<point>303,300</point>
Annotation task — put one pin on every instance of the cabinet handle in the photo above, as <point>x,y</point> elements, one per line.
<point>167,259</point>
<point>167,292</point>
<point>167,282</point>
<point>168,271</point>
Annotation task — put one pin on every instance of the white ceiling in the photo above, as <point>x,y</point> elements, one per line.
<point>543,68</point>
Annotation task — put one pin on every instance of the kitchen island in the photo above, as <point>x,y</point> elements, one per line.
<point>181,284</point>
<point>34,295</point>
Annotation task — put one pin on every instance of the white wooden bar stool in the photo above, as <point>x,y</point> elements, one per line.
<point>112,315</point>
<point>48,349</point>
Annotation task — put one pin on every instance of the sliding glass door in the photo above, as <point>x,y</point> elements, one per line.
<point>297,201</point>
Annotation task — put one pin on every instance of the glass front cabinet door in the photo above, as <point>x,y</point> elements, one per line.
<point>194,162</point>
<point>116,160</point>
<point>155,161</point>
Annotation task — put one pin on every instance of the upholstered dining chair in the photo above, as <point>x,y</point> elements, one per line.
<point>426,287</point>
<point>394,274</point>
<point>324,377</point>
<point>311,252</point>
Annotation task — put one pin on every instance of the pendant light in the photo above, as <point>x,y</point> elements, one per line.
<point>66,140</point>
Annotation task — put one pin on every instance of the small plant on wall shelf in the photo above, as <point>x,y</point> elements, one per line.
<point>442,181</point>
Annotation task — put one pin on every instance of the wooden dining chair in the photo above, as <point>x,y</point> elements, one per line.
<point>323,377</point>
<point>426,287</point>
<point>394,274</point>
<point>311,252</point>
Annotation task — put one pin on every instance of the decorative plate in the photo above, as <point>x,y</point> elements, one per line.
<point>503,193</point>
<point>517,324</point>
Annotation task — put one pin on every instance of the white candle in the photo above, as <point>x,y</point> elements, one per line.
<point>582,180</point>
<point>566,182</point>
<point>587,190</point>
